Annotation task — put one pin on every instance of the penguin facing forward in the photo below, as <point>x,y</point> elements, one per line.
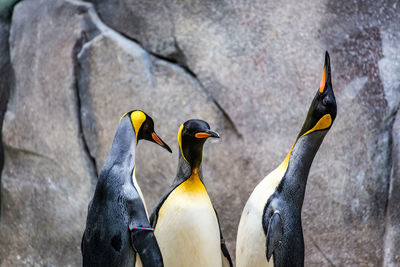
<point>117,225</point>
<point>185,221</point>
<point>270,231</point>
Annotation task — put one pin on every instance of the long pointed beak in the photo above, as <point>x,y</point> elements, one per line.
<point>327,92</point>
<point>158,140</point>
<point>206,134</point>
<point>326,76</point>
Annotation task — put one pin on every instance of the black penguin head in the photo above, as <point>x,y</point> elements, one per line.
<point>191,137</point>
<point>143,126</point>
<point>322,111</point>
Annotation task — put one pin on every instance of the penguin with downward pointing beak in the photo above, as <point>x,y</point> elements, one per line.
<point>117,226</point>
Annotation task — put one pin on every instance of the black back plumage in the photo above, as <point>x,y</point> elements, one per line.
<point>281,218</point>
<point>110,238</point>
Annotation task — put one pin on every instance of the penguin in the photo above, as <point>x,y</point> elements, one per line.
<point>186,224</point>
<point>117,225</point>
<point>270,231</point>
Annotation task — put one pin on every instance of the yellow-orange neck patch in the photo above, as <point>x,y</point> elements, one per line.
<point>180,141</point>
<point>322,124</point>
<point>193,184</point>
<point>285,162</point>
<point>137,118</point>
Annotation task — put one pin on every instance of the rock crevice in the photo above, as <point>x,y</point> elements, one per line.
<point>322,253</point>
<point>250,70</point>
<point>6,73</point>
<point>178,59</point>
<point>77,74</point>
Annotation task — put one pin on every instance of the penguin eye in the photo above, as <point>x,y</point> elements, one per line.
<point>325,101</point>
<point>189,132</point>
<point>145,127</point>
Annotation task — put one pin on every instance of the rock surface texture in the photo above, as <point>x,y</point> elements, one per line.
<point>249,68</point>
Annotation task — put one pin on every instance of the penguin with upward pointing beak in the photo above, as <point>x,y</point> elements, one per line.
<point>185,221</point>
<point>270,231</point>
<point>117,226</point>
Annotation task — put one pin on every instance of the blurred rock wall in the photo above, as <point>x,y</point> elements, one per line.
<point>249,68</point>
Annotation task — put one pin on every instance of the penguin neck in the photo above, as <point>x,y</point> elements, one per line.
<point>193,153</point>
<point>298,163</point>
<point>187,169</point>
<point>122,152</point>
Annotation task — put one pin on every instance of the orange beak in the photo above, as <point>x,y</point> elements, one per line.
<point>323,81</point>
<point>160,142</point>
<point>326,75</point>
<point>206,134</point>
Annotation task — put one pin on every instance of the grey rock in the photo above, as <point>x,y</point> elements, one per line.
<point>5,71</point>
<point>110,87</point>
<point>248,68</point>
<point>5,67</point>
<point>143,30</point>
<point>392,224</point>
<point>46,180</point>
<point>261,62</point>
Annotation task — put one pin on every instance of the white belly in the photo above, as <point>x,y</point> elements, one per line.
<point>138,262</point>
<point>187,229</point>
<point>251,240</point>
<point>135,183</point>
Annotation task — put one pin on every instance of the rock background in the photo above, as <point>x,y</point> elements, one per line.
<point>251,69</point>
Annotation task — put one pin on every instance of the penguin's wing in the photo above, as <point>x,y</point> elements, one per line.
<point>83,236</point>
<point>226,258</point>
<point>274,232</point>
<point>145,244</point>
<point>142,236</point>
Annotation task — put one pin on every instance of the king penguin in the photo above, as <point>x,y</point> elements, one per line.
<point>117,225</point>
<point>186,224</point>
<point>270,231</point>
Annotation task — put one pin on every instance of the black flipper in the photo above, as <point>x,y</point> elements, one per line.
<point>224,249</point>
<point>145,244</point>
<point>142,236</point>
<point>274,233</point>
<point>83,236</point>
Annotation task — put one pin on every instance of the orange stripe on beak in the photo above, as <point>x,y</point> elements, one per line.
<point>157,139</point>
<point>323,81</point>
<point>202,135</point>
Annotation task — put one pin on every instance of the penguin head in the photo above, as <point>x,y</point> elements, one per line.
<point>143,126</point>
<point>322,111</point>
<point>191,138</point>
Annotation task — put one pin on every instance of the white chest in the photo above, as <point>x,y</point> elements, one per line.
<point>135,183</point>
<point>187,228</point>
<point>251,240</point>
